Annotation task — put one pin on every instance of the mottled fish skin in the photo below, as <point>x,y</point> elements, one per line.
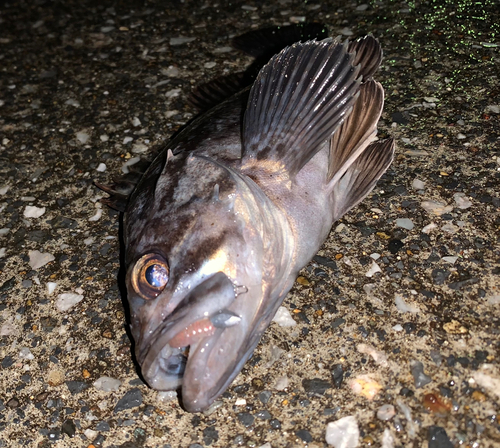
<point>238,203</point>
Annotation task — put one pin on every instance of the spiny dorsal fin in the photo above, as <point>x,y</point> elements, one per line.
<point>362,176</point>
<point>297,102</point>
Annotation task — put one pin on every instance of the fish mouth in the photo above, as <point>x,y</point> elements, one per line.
<point>182,345</point>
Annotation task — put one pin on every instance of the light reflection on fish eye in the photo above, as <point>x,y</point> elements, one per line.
<point>150,276</point>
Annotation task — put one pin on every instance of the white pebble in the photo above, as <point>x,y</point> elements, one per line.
<point>405,223</point>
<point>374,268</point>
<point>98,212</point>
<point>139,148</point>
<point>8,328</point>
<point>417,184</point>
<point>375,256</point>
<point>211,64</point>
<point>127,140</point>
<point>266,445</point>
<point>429,227</point>
<point>343,433</point>
<point>101,168</point>
<point>90,434</point>
<point>386,412</point>
<point>398,327</point>
<point>72,102</point>
<point>3,250</point>
<point>404,307</point>
<point>450,260</point>
<point>4,190</point>
<point>462,201</point>
<point>171,71</point>
<point>136,122</point>
<point>25,353</point>
<point>67,301</point>
<point>283,318</point>
<point>281,383</point>
<point>387,439</point>
<point>493,300</point>
<point>461,136</point>
<point>51,287</point>
<point>346,32</point>
<point>436,207</point>
<point>83,137</point>
<point>488,382</point>
<point>362,7</point>
<point>88,241</point>
<point>130,162</point>
<point>33,212</point>
<point>39,259</point>
<point>378,356</point>
<point>181,40</point>
<point>494,108</point>
<point>104,137</point>
<point>107,384</point>
<point>173,93</point>
<point>449,228</point>
<point>240,402</point>
<point>4,231</point>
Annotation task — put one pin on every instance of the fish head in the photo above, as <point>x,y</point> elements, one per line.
<point>194,255</point>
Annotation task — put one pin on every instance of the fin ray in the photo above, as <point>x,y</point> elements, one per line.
<point>298,101</point>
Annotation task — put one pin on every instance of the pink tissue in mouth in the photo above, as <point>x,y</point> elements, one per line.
<point>193,333</point>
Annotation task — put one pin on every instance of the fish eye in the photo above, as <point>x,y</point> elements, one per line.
<point>150,276</point>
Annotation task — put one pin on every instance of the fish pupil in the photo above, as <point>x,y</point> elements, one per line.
<point>156,275</point>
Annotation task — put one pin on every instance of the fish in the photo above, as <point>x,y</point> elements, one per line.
<point>220,223</point>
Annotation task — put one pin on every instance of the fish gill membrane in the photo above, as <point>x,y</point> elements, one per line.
<point>238,202</point>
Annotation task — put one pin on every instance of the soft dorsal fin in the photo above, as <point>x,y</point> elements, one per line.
<point>368,55</point>
<point>297,102</point>
<point>357,132</point>
<point>361,176</point>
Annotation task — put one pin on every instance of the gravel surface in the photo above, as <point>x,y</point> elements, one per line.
<point>397,335</point>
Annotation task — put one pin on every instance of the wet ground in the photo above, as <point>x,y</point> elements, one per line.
<point>397,318</point>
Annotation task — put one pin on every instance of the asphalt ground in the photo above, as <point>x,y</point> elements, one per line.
<point>397,319</point>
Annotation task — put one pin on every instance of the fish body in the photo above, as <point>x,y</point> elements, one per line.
<point>238,202</point>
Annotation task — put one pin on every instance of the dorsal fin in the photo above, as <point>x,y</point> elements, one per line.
<point>297,102</point>
<point>361,176</point>
<point>368,55</point>
<point>357,132</point>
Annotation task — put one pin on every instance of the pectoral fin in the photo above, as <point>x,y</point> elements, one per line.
<point>297,102</point>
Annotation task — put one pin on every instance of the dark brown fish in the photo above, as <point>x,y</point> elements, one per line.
<point>238,202</point>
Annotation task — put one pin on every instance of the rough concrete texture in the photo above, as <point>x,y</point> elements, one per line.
<point>397,318</point>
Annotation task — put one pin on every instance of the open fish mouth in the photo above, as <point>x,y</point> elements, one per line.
<point>194,328</point>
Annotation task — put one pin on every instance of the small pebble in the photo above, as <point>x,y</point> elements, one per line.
<point>90,434</point>
<point>386,412</point>
<point>436,208</point>
<point>83,137</point>
<point>387,439</point>
<point>132,399</point>
<point>39,259</point>
<point>404,307</point>
<point>462,201</point>
<point>246,419</point>
<point>165,396</point>
<point>374,268</point>
<point>33,212</point>
<point>437,438</point>
<point>405,223</point>
<point>419,377</point>
<point>181,40</point>
<point>365,386</point>
<point>67,301</point>
<point>417,184</point>
<point>283,318</point>
<point>281,383</point>
<point>101,167</point>
<point>107,384</point>
<point>343,433</point>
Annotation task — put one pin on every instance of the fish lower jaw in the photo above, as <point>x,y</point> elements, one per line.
<point>166,370</point>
